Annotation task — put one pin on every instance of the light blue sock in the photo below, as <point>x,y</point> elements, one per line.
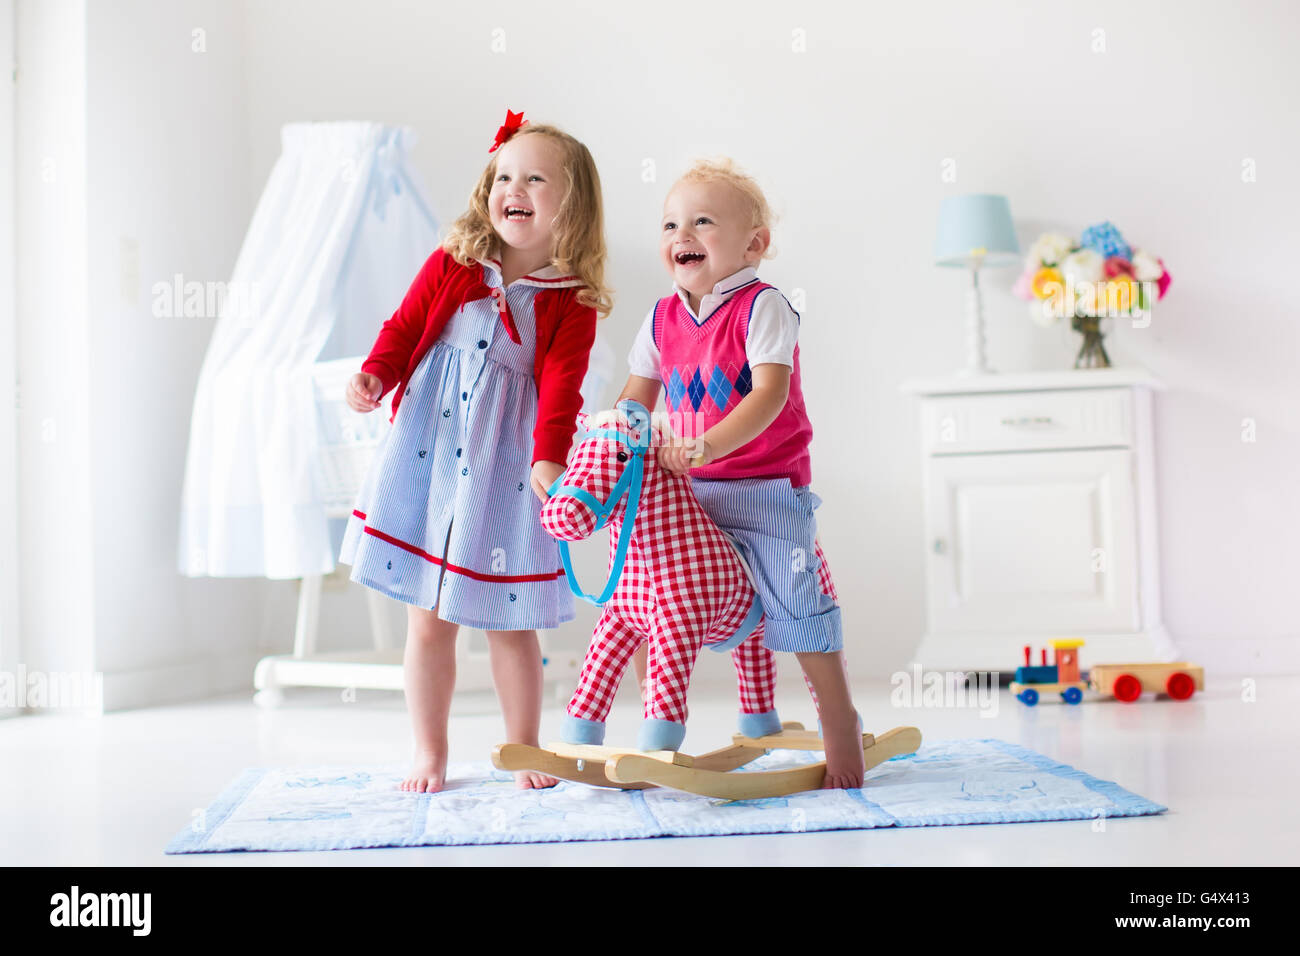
<point>576,730</point>
<point>660,735</point>
<point>760,725</point>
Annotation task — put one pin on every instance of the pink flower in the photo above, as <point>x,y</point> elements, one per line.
<point>1023,289</point>
<point>1163,282</point>
<point>1117,266</point>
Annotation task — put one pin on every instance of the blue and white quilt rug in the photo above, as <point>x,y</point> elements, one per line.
<point>341,808</point>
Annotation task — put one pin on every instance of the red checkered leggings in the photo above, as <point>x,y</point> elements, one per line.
<point>669,665</point>
<point>668,672</point>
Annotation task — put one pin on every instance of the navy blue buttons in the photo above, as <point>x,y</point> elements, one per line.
<point>464,471</point>
<point>512,596</point>
<point>521,486</point>
<point>446,413</point>
<point>464,394</point>
<point>482,343</point>
<point>423,453</point>
<point>390,565</point>
<point>408,391</point>
<point>458,451</point>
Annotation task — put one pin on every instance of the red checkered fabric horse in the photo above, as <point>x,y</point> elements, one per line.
<point>682,586</point>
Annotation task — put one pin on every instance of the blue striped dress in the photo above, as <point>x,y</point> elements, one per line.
<point>446,518</point>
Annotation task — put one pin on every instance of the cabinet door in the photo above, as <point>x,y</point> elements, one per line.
<point>1032,542</point>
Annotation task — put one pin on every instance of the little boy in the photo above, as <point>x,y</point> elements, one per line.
<point>724,346</point>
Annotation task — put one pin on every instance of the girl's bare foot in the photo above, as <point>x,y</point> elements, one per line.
<point>428,773</point>
<point>517,673</point>
<point>845,767</point>
<point>429,675</point>
<point>532,780</point>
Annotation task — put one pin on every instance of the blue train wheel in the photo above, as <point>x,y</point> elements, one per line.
<point>1072,695</point>
<point>1029,696</point>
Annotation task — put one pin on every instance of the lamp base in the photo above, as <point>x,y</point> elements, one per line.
<point>977,362</point>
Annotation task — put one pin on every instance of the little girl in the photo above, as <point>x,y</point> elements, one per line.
<point>725,348</point>
<point>487,353</point>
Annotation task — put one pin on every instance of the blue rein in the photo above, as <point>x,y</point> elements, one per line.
<point>628,483</point>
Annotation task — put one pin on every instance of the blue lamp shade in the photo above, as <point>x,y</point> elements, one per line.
<point>976,230</point>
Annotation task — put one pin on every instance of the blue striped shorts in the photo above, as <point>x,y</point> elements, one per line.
<point>773,525</point>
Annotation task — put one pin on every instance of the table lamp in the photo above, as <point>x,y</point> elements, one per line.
<point>976,231</point>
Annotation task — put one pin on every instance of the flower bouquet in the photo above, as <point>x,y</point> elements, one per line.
<point>1099,276</point>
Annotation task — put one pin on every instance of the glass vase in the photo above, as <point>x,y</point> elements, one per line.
<point>1092,353</point>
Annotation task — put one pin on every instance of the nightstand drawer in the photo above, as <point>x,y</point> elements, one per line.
<point>1027,421</point>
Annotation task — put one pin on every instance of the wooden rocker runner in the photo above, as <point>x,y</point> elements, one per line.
<point>708,774</point>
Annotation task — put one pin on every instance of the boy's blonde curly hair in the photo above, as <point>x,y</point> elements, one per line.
<point>723,169</point>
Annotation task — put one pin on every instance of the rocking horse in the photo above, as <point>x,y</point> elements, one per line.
<point>676,583</point>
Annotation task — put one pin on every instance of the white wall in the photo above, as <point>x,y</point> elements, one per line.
<point>161,152</point>
<point>56,471</point>
<point>10,648</point>
<point>149,142</point>
<point>169,192</point>
<point>848,138</point>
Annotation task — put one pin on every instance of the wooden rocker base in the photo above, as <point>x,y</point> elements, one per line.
<point>706,774</point>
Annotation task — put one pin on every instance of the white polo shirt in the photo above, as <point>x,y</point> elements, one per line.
<point>772,335</point>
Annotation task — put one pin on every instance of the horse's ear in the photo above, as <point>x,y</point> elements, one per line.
<point>638,420</point>
<point>662,431</point>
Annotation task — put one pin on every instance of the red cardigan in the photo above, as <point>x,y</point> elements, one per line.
<point>566,331</point>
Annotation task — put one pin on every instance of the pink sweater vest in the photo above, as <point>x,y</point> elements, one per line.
<point>706,374</point>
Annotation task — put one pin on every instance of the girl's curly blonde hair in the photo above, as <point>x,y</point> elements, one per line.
<point>579,226</point>
<point>723,169</point>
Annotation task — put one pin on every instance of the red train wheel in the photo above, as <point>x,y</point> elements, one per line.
<point>1180,686</point>
<point>1127,688</point>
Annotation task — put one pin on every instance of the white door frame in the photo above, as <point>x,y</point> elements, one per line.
<point>10,643</point>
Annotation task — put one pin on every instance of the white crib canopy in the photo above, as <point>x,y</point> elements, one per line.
<point>338,234</point>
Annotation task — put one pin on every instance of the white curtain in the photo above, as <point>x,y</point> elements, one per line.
<point>339,233</point>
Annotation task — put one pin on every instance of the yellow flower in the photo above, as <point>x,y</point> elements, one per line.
<point>1118,296</point>
<point>1047,284</point>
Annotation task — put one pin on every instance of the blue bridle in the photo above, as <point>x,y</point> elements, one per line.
<point>628,483</point>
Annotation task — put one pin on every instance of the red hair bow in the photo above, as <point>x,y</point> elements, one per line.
<point>508,129</point>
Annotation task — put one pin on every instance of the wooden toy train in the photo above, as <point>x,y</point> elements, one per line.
<point>1124,682</point>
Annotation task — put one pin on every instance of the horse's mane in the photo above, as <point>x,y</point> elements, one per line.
<point>659,423</point>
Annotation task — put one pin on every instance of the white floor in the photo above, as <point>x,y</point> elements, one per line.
<point>114,790</point>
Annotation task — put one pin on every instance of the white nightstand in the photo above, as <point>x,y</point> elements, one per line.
<point>1040,517</point>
